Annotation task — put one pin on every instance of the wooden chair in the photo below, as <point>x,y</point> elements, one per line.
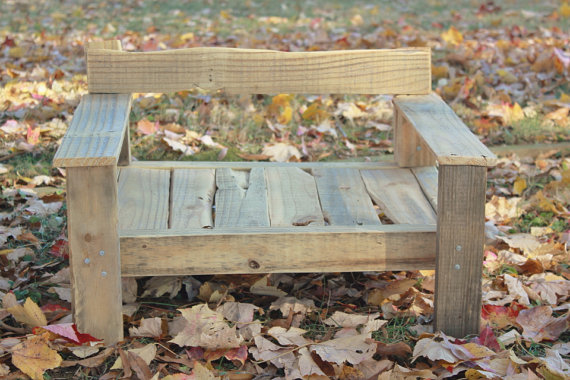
<point>156,218</point>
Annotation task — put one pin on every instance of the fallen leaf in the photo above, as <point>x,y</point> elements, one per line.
<point>352,349</point>
<point>519,186</point>
<point>281,152</point>
<point>292,304</point>
<point>452,36</point>
<point>341,319</point>
<point>30,314</point>
<point>161,285</point>
<point>33,357</point>
<point>288,337</point>
<point>150,327</point>
<point>399,349</point>
<point>261,288</point>
<point>69,331</point>
<point>146,353</point>
<point>307,366</point>
<point>538,324</point>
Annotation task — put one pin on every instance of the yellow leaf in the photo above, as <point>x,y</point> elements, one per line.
<point>29,314</point>
<point>314,113</point>
<point>439,71</point>
<point>285,116</point>
<point>519,186</point>
<point>34,356</point>
<point>452,36</point>
<point>282,100</point>
<point>225,14</point>
<point>565,98</point>
<point>16,52</point>
<point>565,10</point>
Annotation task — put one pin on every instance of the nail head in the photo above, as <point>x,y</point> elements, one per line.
<point>458,248</point>
<point>457,266</point>
<point>86,261</point>
<point>101,253</point>
<point>104,274</point>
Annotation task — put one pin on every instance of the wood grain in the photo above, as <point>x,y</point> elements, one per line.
<point>246,165</point>
<point>278,250</point>
<point>143,198</point>
<point>427,178</point>
<point>343,196</point>
<point>92,230</point>
<point>192,196</point>
<point>95,136</point>
<point>409,148</point>
<point>249,71</point>
<point>460,239</point>
<point>442,130</point>
<point>398,194</point>
<point>292,198</point>
<point>241,198</point>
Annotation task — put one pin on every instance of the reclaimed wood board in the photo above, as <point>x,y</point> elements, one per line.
<point>241,198</point>
<point>343,196</point>
<point>427,178</point>
<point>143,198</point>
<point>256,71</point>
<point>292,198</point>
<point>442,130</point>
<point>96,133</point>
<point>398,194</point>
<point>278,250</point>
<point>192,197</point>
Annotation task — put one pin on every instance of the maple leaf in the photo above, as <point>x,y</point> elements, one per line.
<point>206,328</point>
<point>352,349</point>
<point>538,323</point>
<point>34,356</point>
<point>342,319</point>
<point>161,285</point>
<point>30,314</point>
<point>452,36</point>
<point>69,331</point>
<point>281,152</point>
<point>146,353</point>
<point>289,337</point>
<point>150,327</point>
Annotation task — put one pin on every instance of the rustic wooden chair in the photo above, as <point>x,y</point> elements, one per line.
<point>155,218</point>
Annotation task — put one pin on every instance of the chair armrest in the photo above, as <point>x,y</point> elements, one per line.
<point>442,131</point>
<point>97,131</point>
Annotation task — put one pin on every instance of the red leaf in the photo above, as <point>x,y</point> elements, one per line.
<point>487,338</point>
<point>69,332</point>
<point>60,248</point>
<point>239,354</point>
<point>195,353</point>
<point>501,316</point>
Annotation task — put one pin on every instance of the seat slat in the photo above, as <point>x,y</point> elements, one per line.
<point>398,194</point>
<point>192,198</point>
<point>293,198</point>
<point>343,197</point>
<point>427,178</point>
<point>143,199</point>
<point>241,198</point>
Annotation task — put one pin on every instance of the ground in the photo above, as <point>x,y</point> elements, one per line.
<point>502,66</point>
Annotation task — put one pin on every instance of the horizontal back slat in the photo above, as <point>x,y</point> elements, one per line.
<point>248,71</point>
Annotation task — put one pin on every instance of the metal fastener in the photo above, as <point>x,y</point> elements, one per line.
<point>101,253</point>
<point>86,261</point>
<point>418,148</point>
<point>458,248</point>
<point>104,274</point>
<point>457,266</point>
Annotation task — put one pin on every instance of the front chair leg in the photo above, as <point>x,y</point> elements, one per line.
<point>94,251</point>
<point>460,239</point>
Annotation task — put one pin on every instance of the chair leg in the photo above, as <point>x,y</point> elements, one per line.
<point>94,251</point>
<point>460,239</point>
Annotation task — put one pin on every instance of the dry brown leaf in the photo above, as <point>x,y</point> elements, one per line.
<point>261,288</point>
<point>434,350</point>
<point>402,373</point>
<point>282,152</point>
<point>288,304</point>
<point>538,323</point>
<point>139,365</point>
<point>527,243</point>
<point>399,349</point>
<point>289,337</point>
<point>159,286</point>
<point>206,328</point>
<point>377,296</point>
<point>150,327</point>
<point>352,349</point>
<point>129,288</point>
<point>30,314</point>
<point>516,289</point>
<point>238,312</point>
<point>341,319</point>
<point>146,353</point>
<point>307,365</point>
<point>34,357</point>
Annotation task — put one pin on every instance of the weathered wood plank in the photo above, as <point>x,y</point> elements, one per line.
<point>257,164</point>
<point>143,198</point>
<point>460,239</point>
<point>95,136</point>
<point>409,148</point>
<point>192,196</point>
<point>442,130</point>
<point>249,71</point>
<point>398,194</point>
<point>292,198</point>
<point>427,178</point>
<point>343,196</point>
<point>241,198</point>
<point>278,250</point>
<point>94,245</point>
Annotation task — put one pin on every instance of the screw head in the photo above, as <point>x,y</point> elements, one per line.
<point>101,253</point>
<point>104,274</point>
<point>457,266</point>
<point>458,248</point>
<point>86,261</point>
<point>418,148</point>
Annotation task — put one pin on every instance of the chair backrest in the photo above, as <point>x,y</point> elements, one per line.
<point>248,71</point>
